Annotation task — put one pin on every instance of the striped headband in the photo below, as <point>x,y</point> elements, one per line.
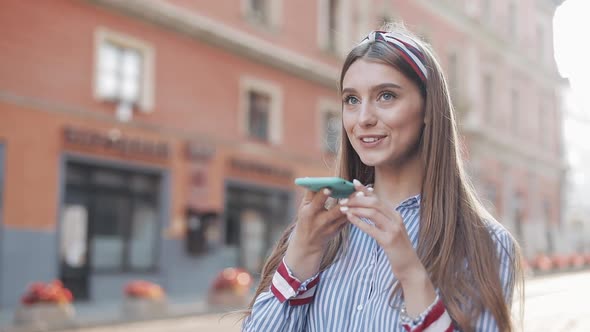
<point>409,50</point>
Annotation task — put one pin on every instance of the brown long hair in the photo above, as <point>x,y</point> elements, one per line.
<point>455,244</point>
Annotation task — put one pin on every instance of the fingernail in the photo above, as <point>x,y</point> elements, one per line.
<point>356,182</point>
<point>343,208</point>
<point>327,192</point>
<point>344,201</point>
<point>370,189</point>
<point>360,194</point>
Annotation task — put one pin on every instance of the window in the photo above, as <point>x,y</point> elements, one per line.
<point>258,115</point>
<point>259,10</point>
<point>518,206</point>
<point>121,209</point>
<point>544,134</point>
<point>329,125</point>
<point>333,23</point>
<point>261,110</point>
<point>488,98</point>
<point>548,221</point>
<point>515,110</point>
<point>330,25</point>
<point>1,180</point>
<point>362,19</point>
<point>124,73</point>
<point>119,73</point>
<point>486,10</point>
<point>254,220</point>
<point>266,13</point>
<point>512,20</point>
<point>540,36</point>
<point>332,126</point>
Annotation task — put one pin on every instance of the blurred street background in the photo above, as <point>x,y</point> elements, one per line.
<point>148,147</point>
<point>570,291</point>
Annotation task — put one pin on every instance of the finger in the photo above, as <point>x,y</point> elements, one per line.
<point>359,198</point>
<point>319,200</point>
<point>380,220</point>
<point>307,197</point>
<point>359,187</point>
<point>332,214</point>
<point>362,225</point>
<point>337,224</point>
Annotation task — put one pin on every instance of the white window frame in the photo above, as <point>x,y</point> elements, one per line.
<point>275,126</point>
<point>274,9</point>
<point>362,14</point>
<point>541,42</point>
<point>516,118</point>
<point>325,105</point>
<point>512,20</point>
<point>102,35</point>
<point>344,28</point>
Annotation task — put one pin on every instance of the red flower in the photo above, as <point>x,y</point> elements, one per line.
<point>52,292</point>
<point>144,289</point>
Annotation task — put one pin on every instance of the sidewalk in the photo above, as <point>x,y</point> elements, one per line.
<point>105,314</point>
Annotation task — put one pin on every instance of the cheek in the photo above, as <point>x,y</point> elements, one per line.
<point>348,122</point>
<point>402,117</point>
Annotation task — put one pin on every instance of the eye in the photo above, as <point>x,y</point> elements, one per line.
<point>351,100</point>
<point>387,96</point>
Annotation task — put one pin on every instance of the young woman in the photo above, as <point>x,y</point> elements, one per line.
<point>414,250</point>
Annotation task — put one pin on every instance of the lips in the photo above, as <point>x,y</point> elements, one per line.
<point>371,140</point>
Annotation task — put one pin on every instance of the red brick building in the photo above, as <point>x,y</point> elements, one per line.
<point>160,139</point>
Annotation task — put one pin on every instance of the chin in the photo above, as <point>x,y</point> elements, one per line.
<point>373,161</point>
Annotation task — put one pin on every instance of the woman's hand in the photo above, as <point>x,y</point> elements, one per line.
<point>390,233</point>
<point>387,229</point>
<point>315,226</point>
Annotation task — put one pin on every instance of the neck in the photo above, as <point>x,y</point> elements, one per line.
<point>399,182</point>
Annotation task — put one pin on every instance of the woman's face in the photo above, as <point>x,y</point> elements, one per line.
<point>382,113</point>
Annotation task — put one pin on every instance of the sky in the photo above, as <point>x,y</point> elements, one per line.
<point>571,25</point>
<point>572,50</point>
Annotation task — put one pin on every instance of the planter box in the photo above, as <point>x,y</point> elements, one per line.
<point>138,308</point>
<point>44,314</point>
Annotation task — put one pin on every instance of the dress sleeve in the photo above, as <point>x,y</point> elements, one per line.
<point>283,307</point>
<point>434,319</point>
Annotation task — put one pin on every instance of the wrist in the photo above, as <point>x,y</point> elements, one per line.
<point>415,275</point>
<point>302,262</point>
<point>418,291</point>
<point>304,248</point>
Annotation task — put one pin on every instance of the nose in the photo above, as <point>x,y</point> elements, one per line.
<point>367,115</point>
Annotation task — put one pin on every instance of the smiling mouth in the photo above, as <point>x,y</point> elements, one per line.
<point>372,139</point>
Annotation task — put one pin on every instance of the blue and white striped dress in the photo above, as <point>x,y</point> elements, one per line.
<point>353,294</point>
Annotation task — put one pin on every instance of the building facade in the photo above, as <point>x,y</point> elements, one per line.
<point>160,139</point>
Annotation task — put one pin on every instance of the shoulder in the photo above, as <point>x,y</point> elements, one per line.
<point>505,242</point>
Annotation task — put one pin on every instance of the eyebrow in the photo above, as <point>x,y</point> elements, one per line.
<point>376,87</point>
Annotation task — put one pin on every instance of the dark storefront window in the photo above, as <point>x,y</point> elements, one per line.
<point>255,218</point>
<point>1,181</point>
<point>121,212</point>
<point>1,206</point>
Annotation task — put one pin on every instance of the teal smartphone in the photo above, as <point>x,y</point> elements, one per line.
<point>340,188</point>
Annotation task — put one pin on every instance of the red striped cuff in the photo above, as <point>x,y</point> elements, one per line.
<point>436,318</point>
<point>286,287</point>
